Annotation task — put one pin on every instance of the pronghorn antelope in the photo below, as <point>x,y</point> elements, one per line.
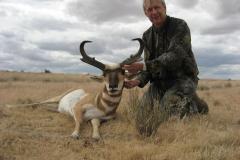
<point>102,106</point>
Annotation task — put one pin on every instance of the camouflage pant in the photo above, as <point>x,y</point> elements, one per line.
<point>164,99</point>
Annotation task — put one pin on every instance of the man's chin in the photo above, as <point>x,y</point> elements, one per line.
<point>157,23</point>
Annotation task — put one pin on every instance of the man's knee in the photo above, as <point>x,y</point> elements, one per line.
<point>186,87</point>
<point>170,103</point>
<point>179,104</point>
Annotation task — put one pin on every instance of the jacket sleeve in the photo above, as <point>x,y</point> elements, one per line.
<point>179,45</point>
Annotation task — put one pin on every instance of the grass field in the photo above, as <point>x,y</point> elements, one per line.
<point>34,133</point>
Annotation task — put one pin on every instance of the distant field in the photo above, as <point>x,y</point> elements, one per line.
<point>28,133</point>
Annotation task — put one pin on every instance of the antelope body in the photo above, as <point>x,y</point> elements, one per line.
<point>84,106</point>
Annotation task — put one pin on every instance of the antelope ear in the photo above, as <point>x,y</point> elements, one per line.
<point>97,78</point>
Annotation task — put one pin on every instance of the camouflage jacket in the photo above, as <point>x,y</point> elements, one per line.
<point>168,52</point>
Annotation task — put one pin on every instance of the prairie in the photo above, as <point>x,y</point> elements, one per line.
<point>35,133</point>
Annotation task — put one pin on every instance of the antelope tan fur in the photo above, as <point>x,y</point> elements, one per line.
<point>84,106</point>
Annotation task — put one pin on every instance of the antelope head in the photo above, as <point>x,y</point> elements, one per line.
<point>113,74</point>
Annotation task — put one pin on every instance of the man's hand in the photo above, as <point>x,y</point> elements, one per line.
<point>131,83</point>
<point>134,67</point>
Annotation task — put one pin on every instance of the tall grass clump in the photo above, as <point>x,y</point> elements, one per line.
<point>228,85</point>
<point>132,104</point>
<point>145,113</point>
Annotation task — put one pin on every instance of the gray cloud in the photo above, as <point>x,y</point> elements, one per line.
<point>44,24</point>
<point>7,34</point>
<point>185,3</point>
<point>225,17</point>
<point>227,26</point>
<point>14,46</point>
<point>228,8</point>
<point>226,73</point>
<point>214,57</point>
<point>221,72</point>
<point>69,47</point>
<point>106,10</point>
<point>221,8</point>
<point>2,13</point>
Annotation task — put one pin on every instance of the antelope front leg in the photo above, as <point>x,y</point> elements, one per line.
<point>95,125</point>
<point>78,117</point>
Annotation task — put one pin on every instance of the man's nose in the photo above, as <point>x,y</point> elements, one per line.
<point>154,11</point>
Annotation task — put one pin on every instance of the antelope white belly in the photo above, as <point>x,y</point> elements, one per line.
<point>67,103</point>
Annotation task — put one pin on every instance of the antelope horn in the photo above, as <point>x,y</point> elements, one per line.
<point>90,60</point>
<point>137,56</point>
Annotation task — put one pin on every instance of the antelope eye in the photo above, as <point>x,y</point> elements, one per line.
<point>120,70</point>
<point>106,72</point>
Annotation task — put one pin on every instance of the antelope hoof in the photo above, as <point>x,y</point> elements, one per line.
<point>96,137</point>
<point>75,135</point>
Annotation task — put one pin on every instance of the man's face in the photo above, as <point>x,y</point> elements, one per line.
<point>155,11</point>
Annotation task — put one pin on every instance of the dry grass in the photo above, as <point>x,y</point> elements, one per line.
<point>35,134</point>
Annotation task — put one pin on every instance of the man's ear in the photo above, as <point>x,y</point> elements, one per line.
<point>97,78</point>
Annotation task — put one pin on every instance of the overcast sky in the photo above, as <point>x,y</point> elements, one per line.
<point>45,34</point>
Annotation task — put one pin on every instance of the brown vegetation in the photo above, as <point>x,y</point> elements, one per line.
<point>28,133</point>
